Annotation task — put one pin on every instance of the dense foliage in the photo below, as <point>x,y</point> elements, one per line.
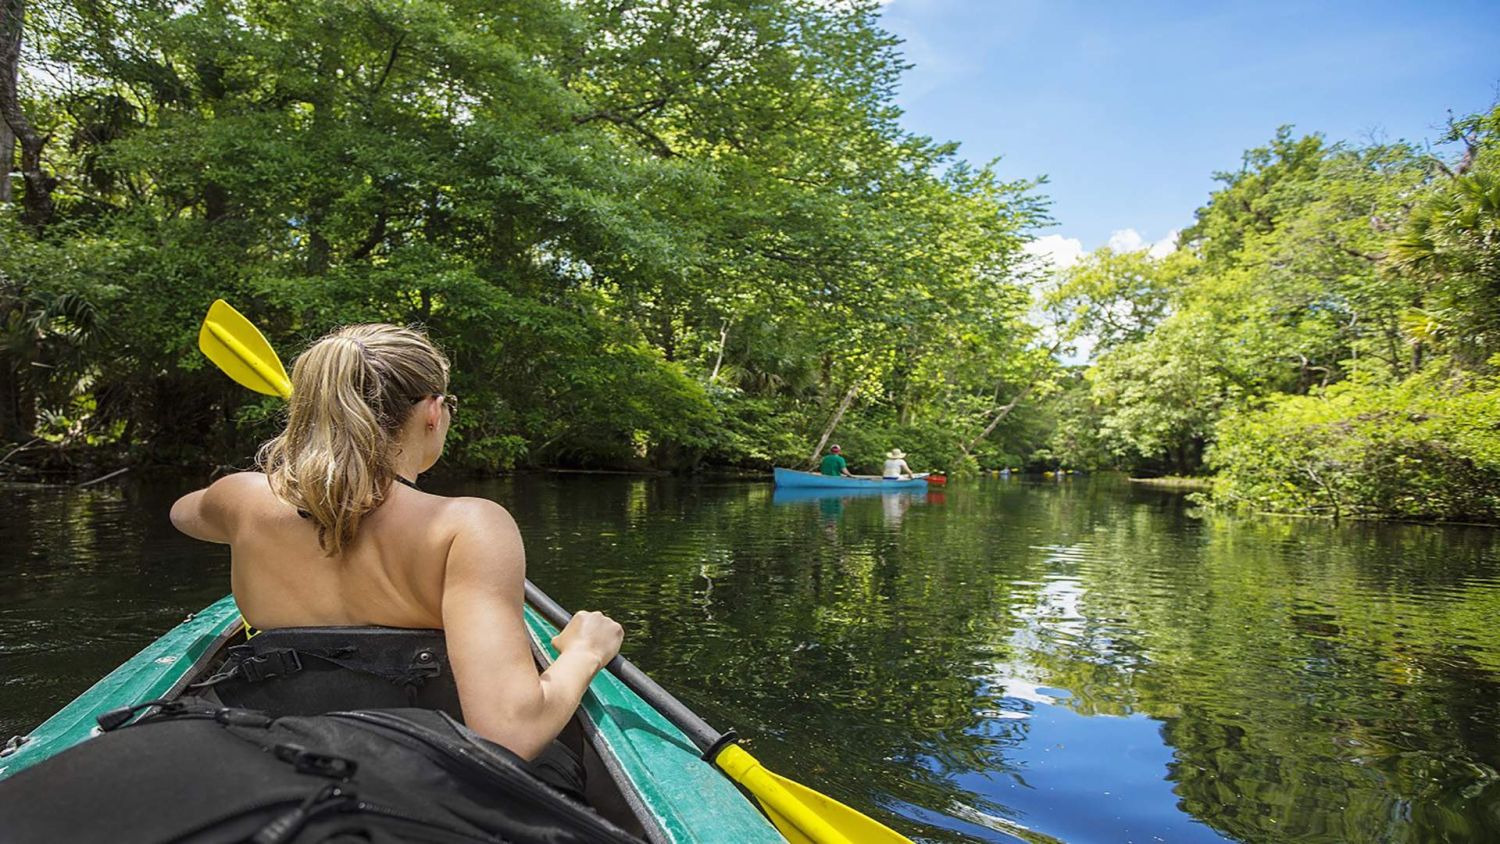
<point>664,234</point>
<point>1324,337</point>
<point>648,233</point>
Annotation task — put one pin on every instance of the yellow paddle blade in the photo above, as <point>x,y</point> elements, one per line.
<point>237,347</point>
<point>800,814</point>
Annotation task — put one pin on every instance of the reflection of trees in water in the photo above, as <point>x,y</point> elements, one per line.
<point>86,577</point>
<point>1316,683</point>
<point>851,653</point>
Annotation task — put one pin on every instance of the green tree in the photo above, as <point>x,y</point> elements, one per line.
<point>648,234</point>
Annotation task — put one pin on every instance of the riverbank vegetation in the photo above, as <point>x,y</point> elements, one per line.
<point>1325,339</point>
<point>657,235</point>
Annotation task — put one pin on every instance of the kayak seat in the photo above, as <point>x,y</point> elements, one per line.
<point>313,670</point>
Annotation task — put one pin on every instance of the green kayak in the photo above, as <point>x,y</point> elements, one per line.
<point>661,789</point>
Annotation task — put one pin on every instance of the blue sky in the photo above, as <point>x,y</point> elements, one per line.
<point>1130,107</point>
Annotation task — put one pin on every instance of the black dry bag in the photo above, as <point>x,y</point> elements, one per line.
<point>193,773</point>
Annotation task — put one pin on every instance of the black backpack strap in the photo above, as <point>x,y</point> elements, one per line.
<point>333,797</point>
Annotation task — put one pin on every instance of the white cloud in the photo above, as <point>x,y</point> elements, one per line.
<point>1126,240</point>
<point>1059,253</point>
<point>1166,246</point>
<point>1130,240</point>
<point>1056,250</point>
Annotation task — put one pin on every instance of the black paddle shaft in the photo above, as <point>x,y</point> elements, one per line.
<point>707,739</point>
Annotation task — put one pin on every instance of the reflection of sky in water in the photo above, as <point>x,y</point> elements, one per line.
<point>1046,759</point>
<point>1118,767</point>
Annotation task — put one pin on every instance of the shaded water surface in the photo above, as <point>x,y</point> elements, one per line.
<point>1003,661</point>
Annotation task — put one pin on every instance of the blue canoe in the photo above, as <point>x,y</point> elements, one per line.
<point>792,479</point>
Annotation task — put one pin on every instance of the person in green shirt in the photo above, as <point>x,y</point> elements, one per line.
<point>834,464</point>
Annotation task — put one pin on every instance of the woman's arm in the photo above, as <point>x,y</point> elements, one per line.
<point>504,698</point>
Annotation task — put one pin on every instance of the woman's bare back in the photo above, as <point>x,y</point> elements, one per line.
<point>390,575</point>
<point>418,561</point>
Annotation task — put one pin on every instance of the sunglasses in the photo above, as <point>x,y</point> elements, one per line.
<point>448,399</point>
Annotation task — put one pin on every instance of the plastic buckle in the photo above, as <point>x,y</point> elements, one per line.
<point>317,764</point>
<point>270,664</point>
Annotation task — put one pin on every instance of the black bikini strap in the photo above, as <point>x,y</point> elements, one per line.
<point>400,480</point>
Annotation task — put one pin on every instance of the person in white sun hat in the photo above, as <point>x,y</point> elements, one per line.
<point>895,465</point>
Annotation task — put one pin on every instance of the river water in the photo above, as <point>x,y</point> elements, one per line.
<point>1008,660</point>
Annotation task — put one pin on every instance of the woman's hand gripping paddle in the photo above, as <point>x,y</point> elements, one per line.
<point>803,815</point>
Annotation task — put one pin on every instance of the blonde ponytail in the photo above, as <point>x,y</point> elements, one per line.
<point>351,393</point>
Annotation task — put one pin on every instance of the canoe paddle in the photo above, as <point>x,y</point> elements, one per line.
<point>802,815</point>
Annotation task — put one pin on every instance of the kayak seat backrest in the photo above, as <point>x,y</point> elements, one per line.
<point>299,671</point>
<point>312,670</point>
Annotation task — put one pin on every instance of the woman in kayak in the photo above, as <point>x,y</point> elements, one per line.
<point>334,532</point>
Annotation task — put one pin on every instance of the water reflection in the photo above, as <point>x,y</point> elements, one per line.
<point>832,502</point>
<point>1077,662</point>
<point>86,579</point>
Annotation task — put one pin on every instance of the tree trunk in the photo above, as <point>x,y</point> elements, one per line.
<point>37,200</point>
<point>319,250</point>
<point>996,419</point>
<point>321,199</point>
<point>215,202</point>
<point>834,422</point>
<point>7,160</point>
<point>719,361</point>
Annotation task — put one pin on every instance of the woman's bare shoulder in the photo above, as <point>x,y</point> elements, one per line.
<point>466,514</point>
<point>243,480</point>
<point>241,488</point>
<point>483,537</point>
<point>214,512</point>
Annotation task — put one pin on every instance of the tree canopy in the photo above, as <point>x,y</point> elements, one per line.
<point>648,233</point>
<point>1324,338</point>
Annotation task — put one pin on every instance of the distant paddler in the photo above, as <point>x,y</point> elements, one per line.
<point>895,466</point>
<point>834,465</point>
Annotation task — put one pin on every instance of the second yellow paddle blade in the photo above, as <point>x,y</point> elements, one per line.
<point>855,826</point>
<point>800,814</point>
<point>237,347</point>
